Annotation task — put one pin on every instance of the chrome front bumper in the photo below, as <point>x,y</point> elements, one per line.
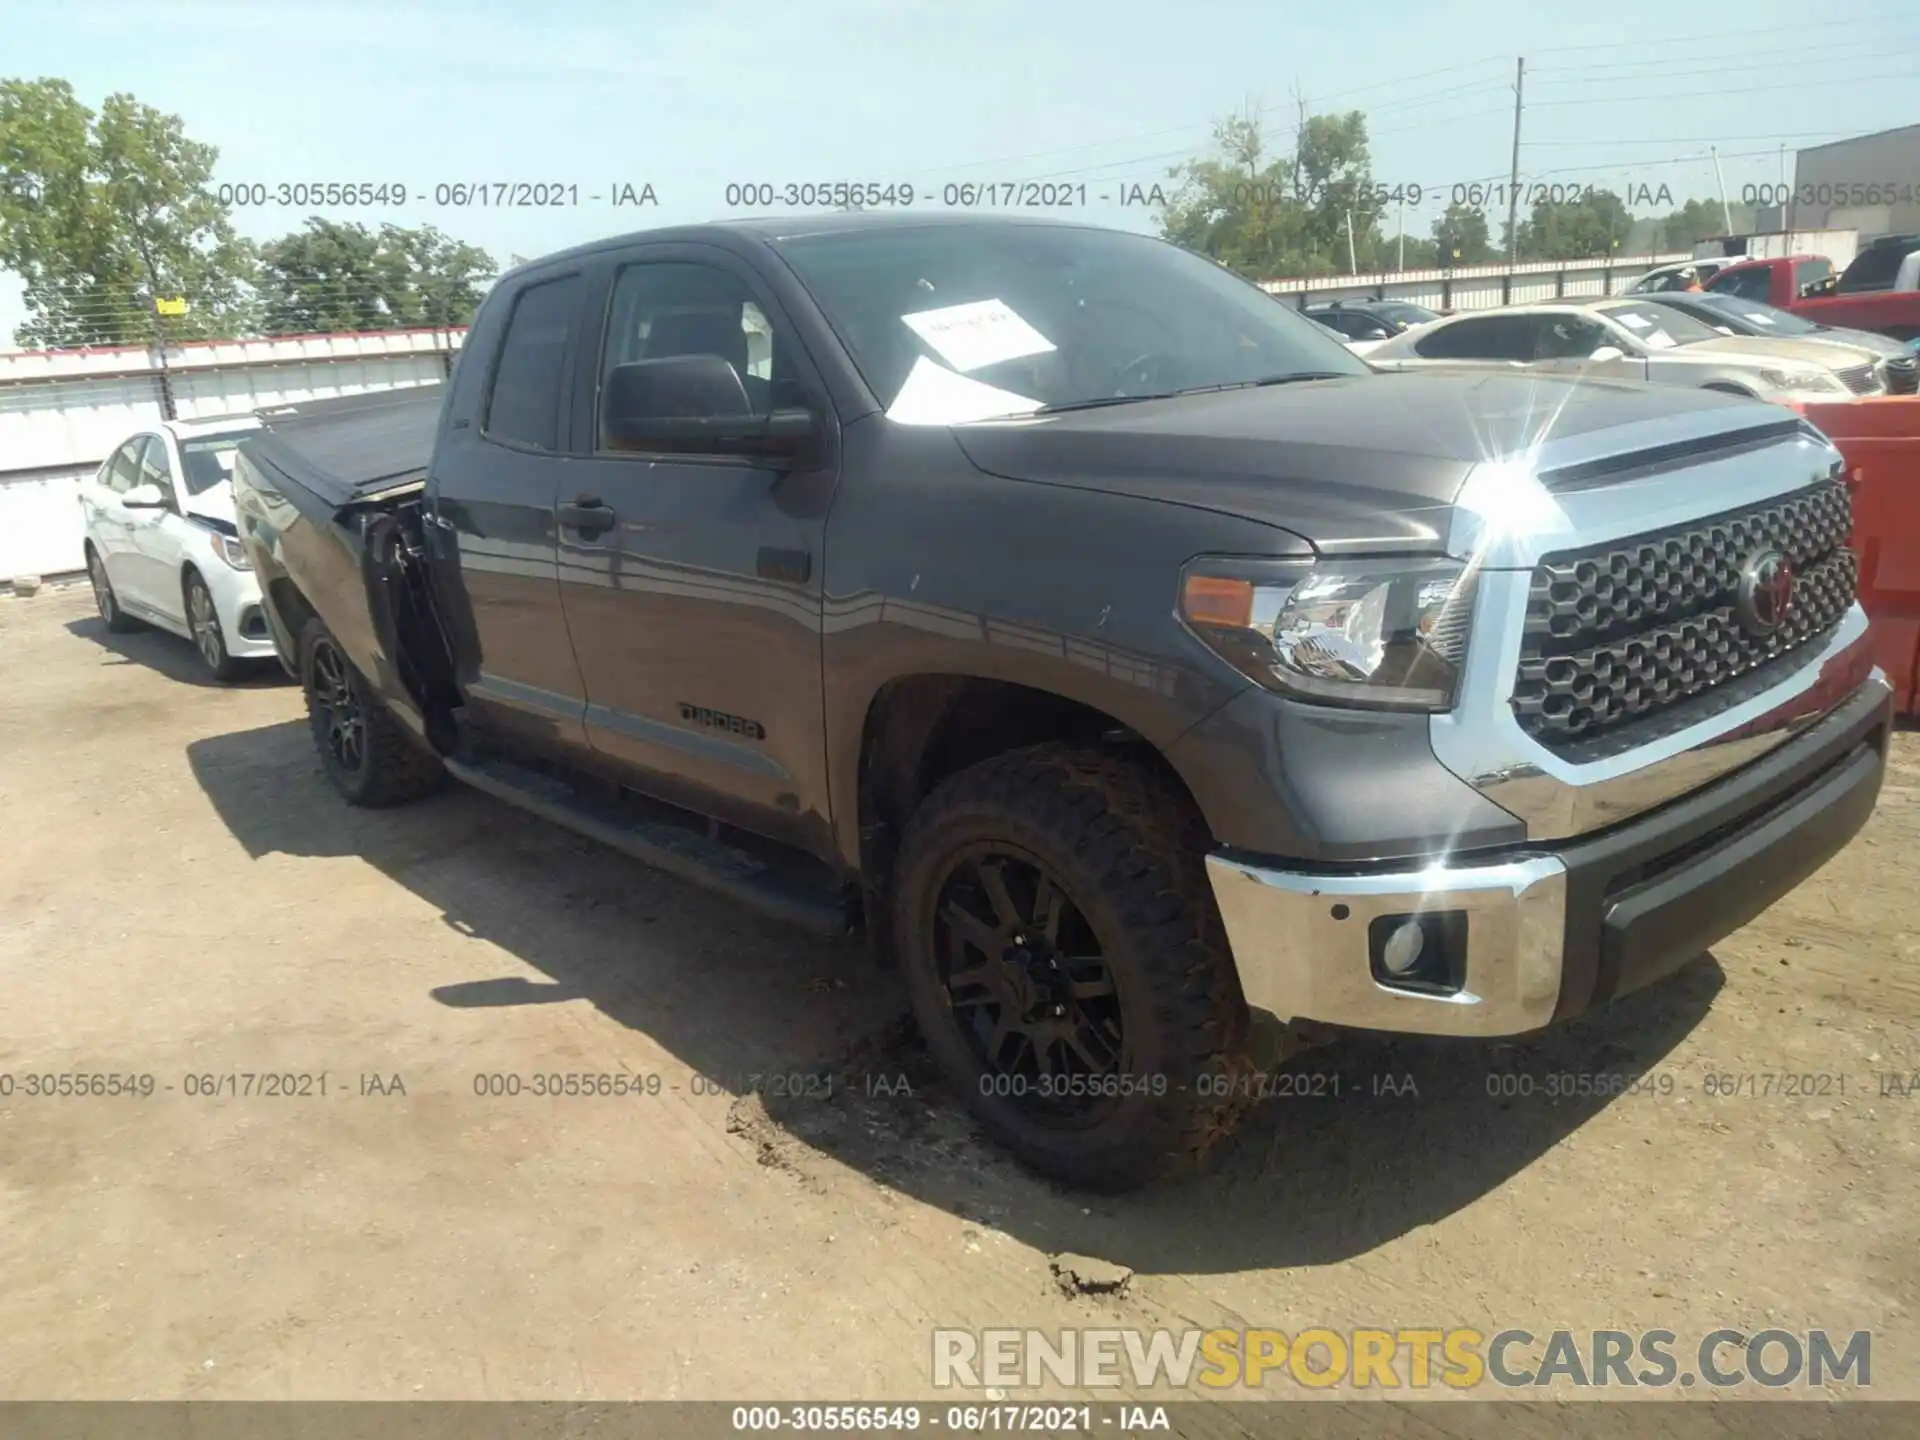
<point>1300,943</point>
<point>1568,925</point>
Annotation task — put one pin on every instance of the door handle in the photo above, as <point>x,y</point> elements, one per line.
<point>793,566</point>
<point>588,516</point>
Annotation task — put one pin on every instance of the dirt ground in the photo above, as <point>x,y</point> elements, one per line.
<point>182,897</point>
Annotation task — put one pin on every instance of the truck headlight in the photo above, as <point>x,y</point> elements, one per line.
<point>231,551</point>
<point>1814,380</point>
<point>1378,634</point>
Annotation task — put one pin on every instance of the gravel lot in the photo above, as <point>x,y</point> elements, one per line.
<point>182,897</point>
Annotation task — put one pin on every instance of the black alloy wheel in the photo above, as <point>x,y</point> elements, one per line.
<point>1029,984</point>
<point>340,718</point>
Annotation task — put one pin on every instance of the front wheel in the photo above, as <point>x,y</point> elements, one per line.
<point>368,755</point>
<point>203,620</point>
<point>1067,966</point>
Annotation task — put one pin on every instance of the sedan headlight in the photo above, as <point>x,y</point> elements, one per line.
<point>231,551</point>
<point>1378,634</point>
<point>1815,380</point>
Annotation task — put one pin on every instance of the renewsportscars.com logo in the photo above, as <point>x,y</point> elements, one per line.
<point>1397,1359</point>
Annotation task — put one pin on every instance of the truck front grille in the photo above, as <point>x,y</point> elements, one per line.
<point>1622,631</point>
<point>1860,379</point>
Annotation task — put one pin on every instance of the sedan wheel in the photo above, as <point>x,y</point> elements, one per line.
<point>204,621</point>
<point>103,597</point>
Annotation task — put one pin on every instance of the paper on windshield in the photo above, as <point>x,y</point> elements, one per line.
<point>934,395</point>
<point>1659,340</point>
<point>1633,322</point>
<point>977,334</point>
<point>1756,317</point>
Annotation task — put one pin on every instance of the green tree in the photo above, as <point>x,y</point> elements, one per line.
<point>1581,229</point>
<point>1461,237</point>
<point>1702,220</point>
<point>1269,214</point>
<point>343,277</point>
<point>102,214</point>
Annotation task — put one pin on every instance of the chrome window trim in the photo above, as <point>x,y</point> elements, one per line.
<point>1505,521</point>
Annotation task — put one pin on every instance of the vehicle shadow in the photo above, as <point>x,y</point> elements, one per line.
<point>172,657</point>
<point>1387,1134</point>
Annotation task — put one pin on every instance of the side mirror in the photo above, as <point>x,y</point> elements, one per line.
<point>1608,352</point>
<point>696,404</point>
<point>145,497</point>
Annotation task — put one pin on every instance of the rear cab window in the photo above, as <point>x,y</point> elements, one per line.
<point>529,374</point>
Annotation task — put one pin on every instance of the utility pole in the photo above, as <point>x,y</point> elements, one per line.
<point>1401,262</point>
<point>1726,212</point>
<point>1513,183</point>
<point>1353,265</point>
<point>159,307</point>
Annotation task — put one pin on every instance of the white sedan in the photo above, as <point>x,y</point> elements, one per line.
<point>161,544</point>
<point>1629,338</point>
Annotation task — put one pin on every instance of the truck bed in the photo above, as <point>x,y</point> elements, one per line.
<point>355,447</point>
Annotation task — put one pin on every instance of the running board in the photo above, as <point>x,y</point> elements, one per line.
<point>788,886</point>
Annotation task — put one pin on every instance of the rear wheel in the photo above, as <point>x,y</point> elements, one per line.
<point>118,621</point>
<point>368,755</point>
<point>204,621</point>
<point>1067,966</point>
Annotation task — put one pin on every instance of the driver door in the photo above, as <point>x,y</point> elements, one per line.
<point>692,582</point>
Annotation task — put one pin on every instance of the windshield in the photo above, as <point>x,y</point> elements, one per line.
<point>1763,318</point>
<point>1660,326</point>
<point>950,323</point>
<point>208,460</point>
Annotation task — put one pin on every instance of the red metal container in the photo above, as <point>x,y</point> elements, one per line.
<point>1880,438</point>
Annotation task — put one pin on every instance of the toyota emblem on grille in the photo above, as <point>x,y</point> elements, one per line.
<point>1765,597</point>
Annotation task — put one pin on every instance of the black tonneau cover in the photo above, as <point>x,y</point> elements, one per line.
<point>355,447</point>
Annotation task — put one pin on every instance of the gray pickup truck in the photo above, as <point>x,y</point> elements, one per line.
<point>1142,671</point>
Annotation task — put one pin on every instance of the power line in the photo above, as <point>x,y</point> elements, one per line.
<point>1878,54</point>
<point>1799,53</point>
<point>1802,85</point>
<point>1678,40</point>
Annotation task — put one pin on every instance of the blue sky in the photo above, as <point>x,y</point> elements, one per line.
<point>689,96</point>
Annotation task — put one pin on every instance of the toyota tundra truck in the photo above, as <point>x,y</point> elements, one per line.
<point>1140,670</point>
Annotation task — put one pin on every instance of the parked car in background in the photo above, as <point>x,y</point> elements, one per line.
<point>1631,339</point>
<point>1878,291</point>
<point>161,545</point>
<point>1370,319</point>
<point>1778,280</point>
<point>1674,277</point>
<point>1732,315</point>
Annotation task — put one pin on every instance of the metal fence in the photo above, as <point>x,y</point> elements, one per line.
<point>63,411</point>
<point>1478,287</point>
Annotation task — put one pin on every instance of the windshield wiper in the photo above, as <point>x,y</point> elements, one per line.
<point>1265,381</point>
<point>1102,402</point>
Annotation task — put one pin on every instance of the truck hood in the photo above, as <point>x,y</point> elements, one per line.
<point>1367,462</point>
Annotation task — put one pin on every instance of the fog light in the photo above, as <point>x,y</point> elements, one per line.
<point>1402,950</point>
<point>1425,952</point>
